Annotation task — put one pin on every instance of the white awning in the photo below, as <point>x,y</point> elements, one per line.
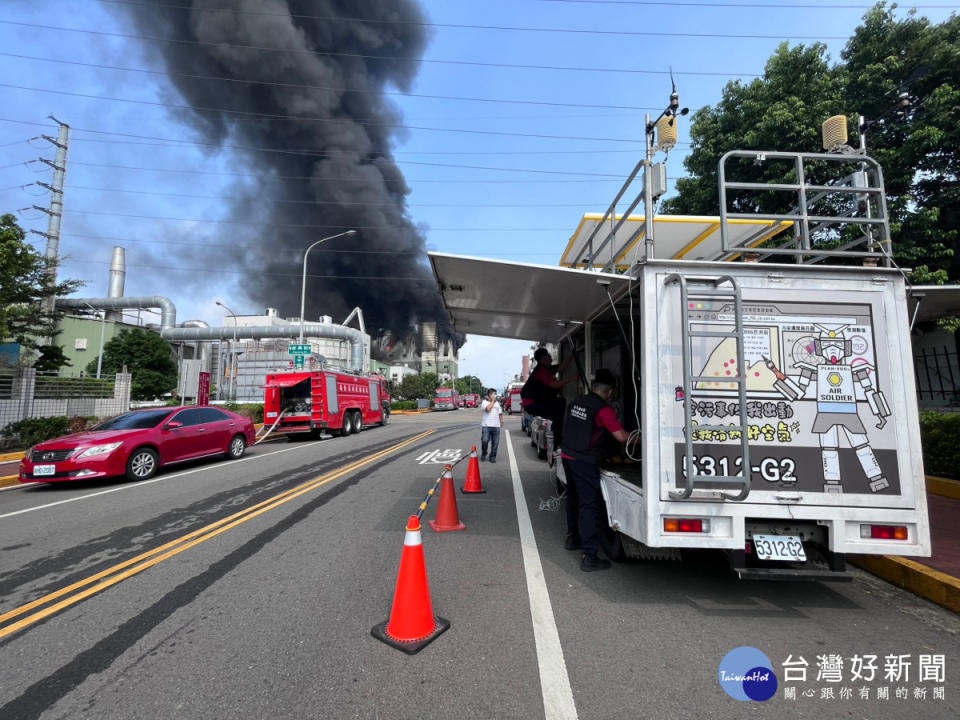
<point>519,300</point>
<point>936,301</point>
<point>676,237</point>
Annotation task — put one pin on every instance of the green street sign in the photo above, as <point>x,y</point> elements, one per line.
<point>298,349</point>
<point>298,361</point>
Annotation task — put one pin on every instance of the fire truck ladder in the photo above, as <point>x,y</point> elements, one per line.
<point>724,288</point>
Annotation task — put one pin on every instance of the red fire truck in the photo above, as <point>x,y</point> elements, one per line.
<point>470,400</point>
<point>337,401</point>
<point>446,399</point>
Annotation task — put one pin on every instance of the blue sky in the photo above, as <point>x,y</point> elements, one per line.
<point>499,191</point>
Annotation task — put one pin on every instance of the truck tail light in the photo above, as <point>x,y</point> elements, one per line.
<point>884,532</point>
<point>686,525</point>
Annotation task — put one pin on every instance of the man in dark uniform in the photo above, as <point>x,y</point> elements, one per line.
<point>541,393</point>
<point>586,420</point>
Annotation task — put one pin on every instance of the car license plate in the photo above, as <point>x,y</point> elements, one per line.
<point>44,470</point>
<point>779,547</point>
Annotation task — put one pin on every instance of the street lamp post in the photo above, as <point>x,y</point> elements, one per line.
<point>230,353</point>
<point>103,328</point>
<point>303,286</point>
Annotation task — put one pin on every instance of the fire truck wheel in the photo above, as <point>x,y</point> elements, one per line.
<point>237,447</point>
<point>384,415</point>
<point>347,424</point>
<point>357,422</point>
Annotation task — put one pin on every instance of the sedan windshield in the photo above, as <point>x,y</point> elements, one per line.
<point>135,420</point>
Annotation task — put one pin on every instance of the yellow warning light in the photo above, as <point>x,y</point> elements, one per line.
<point>833,333</point>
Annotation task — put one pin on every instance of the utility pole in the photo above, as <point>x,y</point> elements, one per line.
<point>55,211</point>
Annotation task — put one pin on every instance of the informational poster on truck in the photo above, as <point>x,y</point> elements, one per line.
<point>818,376</point>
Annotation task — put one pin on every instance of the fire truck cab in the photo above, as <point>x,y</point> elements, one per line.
<point>336,401</point>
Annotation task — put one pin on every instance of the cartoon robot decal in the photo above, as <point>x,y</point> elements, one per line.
<point>837,405</point>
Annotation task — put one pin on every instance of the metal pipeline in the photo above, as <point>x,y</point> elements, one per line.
<point>169,331</point>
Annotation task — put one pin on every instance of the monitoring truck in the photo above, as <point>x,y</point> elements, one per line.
<point>764,362</point>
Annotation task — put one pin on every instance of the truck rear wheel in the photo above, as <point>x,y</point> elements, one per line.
<point>347,423</point>
<point>357,422</point>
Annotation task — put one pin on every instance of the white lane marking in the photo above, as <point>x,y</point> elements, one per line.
<point>554,682</point>
<point>143,483</point>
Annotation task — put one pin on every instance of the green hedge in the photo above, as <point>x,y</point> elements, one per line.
<point>254,411</point>
<point>36,430</point>
<point>940,436</point>
<point>403,405</point>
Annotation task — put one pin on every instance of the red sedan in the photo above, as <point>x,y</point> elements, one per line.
<point>137,444</point>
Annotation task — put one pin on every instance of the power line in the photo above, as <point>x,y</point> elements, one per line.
<point>234,246</point>
<point>412,181</point>
<point>309,226</point>
<point>671,3</point>
<point>329,88</point>
<point>362,56</point>
<point>320,153</point>
<point>193,269</point>
<point>335,203</point>
<point>506,28</point>
<point>305,118</point>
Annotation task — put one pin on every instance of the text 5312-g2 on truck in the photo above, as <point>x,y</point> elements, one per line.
<point>336,401</point>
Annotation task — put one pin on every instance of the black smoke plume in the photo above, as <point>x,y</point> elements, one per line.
<point>318,111</point>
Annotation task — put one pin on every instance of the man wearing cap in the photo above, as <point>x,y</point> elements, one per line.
<point>586,420</point>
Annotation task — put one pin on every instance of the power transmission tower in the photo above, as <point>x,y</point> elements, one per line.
<point>55,211</point>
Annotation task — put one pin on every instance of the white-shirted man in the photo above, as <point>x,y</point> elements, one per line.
<point>490,425</point>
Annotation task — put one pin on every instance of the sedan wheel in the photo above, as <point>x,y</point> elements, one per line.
<point>143,464</point>
<point>237,447</point>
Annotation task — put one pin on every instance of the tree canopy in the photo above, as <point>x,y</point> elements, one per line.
<point>23,284</point>
<point>147,358</point>
<point>918,146</point>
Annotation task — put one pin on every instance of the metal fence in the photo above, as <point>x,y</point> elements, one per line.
<point>938,377</point>
<point>24,393</point>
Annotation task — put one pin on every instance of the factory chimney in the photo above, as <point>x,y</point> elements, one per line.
<point>118,272</point>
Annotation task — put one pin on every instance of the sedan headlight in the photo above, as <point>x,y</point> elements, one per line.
<point>98,450</point>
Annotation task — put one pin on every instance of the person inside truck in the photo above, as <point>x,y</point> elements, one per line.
<point>490,424</point>
<point>541,393</point>
<point>588,417</point>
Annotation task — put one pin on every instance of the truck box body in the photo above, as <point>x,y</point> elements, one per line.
<point>315,401</point>
<point>798,442</point>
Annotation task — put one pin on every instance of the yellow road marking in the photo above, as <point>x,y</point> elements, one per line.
<point>185,542</point>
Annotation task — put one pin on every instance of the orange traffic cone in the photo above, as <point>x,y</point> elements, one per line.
<point>412,624</point>
<point>447,516</point>
<point>473,484</point>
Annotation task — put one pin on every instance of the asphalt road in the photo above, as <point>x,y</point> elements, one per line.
<point>271,617</point>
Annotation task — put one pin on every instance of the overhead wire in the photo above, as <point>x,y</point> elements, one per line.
<point>363,56</point>
<point>308,226</point>
<point>305,86</point>
<point>324,203</point>
<point>745,5</point>
<point>319,251</point>
<point>250,115</point>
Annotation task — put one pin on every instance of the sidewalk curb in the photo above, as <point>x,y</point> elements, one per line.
<point>8,480</point>
<point>10,456</point>
<point>919,579</point>
<point>943,486</point>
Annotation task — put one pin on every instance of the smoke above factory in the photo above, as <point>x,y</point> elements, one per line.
<point>301,84</point>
